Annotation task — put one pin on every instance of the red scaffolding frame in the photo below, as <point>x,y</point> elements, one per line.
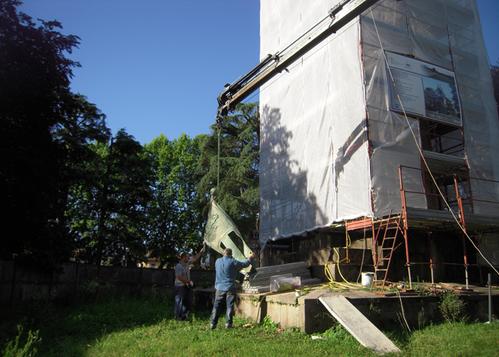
<point>461,216</point>
<point>377,225</point>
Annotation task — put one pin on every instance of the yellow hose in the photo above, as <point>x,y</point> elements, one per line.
<point>332,283</point>
<point>339,270</point>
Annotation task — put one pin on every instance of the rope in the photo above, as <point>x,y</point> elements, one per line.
<point>403,311</point>
<point>421,151</point>
<point>219,129</point>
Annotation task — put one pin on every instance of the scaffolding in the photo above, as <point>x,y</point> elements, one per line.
<point>392,226</point>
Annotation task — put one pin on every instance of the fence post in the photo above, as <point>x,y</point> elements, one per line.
<point>77,278</point>
<point>489,283</point>
<point>140,281</point>
<point>13,282</point>
<point>51,285</point>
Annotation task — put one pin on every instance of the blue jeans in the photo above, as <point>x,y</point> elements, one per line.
<point>229,297</point>
<point>183,302</point>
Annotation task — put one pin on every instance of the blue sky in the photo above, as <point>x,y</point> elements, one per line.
<point>157,66</point>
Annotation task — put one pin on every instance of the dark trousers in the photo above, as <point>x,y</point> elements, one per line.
<point>183,302</point>
<point>220,296</point>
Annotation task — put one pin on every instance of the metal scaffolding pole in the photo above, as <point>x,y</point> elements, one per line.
<point>463,224</point>
<point>405,225</point>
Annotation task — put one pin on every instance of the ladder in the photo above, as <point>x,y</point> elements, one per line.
<point>387,232</point>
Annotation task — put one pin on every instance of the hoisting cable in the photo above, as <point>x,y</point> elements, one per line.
<point>219,129</point>
<point>395,90</point>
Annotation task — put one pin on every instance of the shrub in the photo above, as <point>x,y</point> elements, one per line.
<point>337,332</point>
<point>268,324</point>
<point>452,307</point>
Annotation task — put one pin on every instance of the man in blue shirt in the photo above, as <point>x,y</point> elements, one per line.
<point>227,269</point>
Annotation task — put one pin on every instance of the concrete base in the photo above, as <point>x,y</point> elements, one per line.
<point>286,309</point>
<point>306,313</point>
<point>251,306</point>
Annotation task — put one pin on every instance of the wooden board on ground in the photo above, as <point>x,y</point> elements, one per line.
<point>357,324</point>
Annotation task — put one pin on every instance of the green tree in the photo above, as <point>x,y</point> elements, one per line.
<point>175,217</point>
<point>239,159</point>
<point>107,212</point>
<point>76,137</point>
<point>43,126</point>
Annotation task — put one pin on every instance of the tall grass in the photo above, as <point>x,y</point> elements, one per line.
<point>21,346</point>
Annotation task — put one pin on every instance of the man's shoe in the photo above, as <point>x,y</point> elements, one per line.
<point>228,325</point>
<point>212,326</point>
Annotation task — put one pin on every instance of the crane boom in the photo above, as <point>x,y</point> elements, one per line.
<point>338,16</point>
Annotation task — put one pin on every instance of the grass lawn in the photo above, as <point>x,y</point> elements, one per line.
<point>144,327</point>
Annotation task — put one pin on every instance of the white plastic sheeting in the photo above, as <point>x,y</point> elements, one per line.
<point>332,139</point>
<point>445,34</point>
<point>314,166</point>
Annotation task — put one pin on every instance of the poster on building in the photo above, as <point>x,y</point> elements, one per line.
<point>424,89</point>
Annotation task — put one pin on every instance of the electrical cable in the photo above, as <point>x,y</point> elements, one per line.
<point>344,279</point>
<point>329,276</point>
<point>332,283</point>
<point>421,151</point>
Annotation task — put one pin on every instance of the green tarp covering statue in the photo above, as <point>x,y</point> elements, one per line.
<point>221,233</point>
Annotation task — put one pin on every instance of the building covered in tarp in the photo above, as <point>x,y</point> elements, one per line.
<point>334,138</point>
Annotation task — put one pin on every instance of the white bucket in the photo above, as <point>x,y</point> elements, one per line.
<point>367,279</point>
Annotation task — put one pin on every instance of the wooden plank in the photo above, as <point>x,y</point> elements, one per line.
<point>358,325</point>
